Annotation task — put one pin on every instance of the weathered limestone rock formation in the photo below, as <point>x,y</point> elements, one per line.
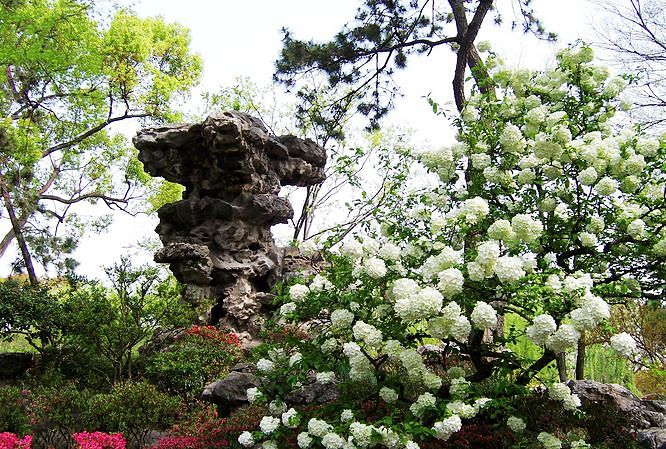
<point>217,239</point>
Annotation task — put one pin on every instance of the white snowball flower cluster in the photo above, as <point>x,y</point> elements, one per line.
<point>291,419</point>
<point>516,424</point>
<point>393,348</point>
<point>318,427</point>
<point>447,427</point>
<point>459,387</point>
<point>265,365</point>
<point>307,248</point>
<point>374,267</point>
<point>329,345</point>
<point>526,228</point>
<point>487,255</point>
<point>541,328</point>
<point>483,316</point>
<point>461,329</point>
<point>415,303</point>
<point>624,344</point>
<point>304,440</point>
<point>295,358</point>
<point>253,395</point>
<point>560,392</point>
<point>451,282</point>
<point>412,361</point>
<point>564,338</point>
<point>367,333</point>
<point>509,269</point>
<point>577,282</point>
<point>606,186</point>
<point>512,139</point>
<point>474,209</point>
<point>277,407</point>
<point>361,433</point>
<point>341,319</point>
<point>390,251</point>
<point>501,230</point>
<point>286,309</point>
<point>246,439</point>
<point>593,311</point>
<point>588,176</point>
<point>455,372</point>
<point>320,284</point>
<point>465,411</point>
<point>361,370</point>
<point>333,441</point>
<point>269,424</point>
<point>588,240</point>
<point>433,265</point>
<point>352,249</point>
<point>423,402</point>
<point>549,441</point>
<point>270,444</point>
<point>636,229</point>
<point>298,292</point>
<point>346,415</point>
<point>325,377</point>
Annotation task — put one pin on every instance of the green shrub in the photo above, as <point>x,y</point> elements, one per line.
<point>199,356</point>
<point>132,408</point>
<point>13,417</point>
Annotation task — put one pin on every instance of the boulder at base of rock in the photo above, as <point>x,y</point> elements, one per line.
<point>15,364</point>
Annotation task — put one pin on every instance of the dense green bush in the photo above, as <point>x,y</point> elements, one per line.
<point>200,355</point>
<point>13,416</point>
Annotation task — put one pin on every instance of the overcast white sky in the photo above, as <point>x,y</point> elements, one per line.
<point>242,38</point>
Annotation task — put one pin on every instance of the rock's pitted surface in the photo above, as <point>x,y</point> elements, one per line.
<point>217,239</point>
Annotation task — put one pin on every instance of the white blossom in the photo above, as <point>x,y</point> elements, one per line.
<point>564,338</point>
<point>484,315</point>
<point>298,292</point>
<point>447,427</point>
<point>269,424</point>
<point>541,328</point>
<point>245,439</point>
<point>516,424</point>
<point>623,344</point>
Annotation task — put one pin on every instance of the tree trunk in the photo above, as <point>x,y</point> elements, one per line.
<point>562,366</point>
<point>580,358</point>
<point>18,233</point>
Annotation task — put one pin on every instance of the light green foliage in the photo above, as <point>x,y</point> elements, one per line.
<point>65,79</point>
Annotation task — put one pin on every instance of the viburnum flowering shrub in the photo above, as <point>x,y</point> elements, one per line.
<point>9,440</point>
<point>547,208</point>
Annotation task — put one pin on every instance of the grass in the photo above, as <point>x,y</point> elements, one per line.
<point>18,344</point>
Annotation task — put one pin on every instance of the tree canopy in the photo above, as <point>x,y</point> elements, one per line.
<point>66,78</point>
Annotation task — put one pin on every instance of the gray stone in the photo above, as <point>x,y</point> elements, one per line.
<point>652,438</point>
<point>217,239</point>
<point>313,393</point>
<point>230,391</point>
<point>641,414</point>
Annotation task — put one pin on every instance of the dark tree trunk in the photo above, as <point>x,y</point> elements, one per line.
<point>580,359</point>
<point>18,233</point>
<point>562,366</point>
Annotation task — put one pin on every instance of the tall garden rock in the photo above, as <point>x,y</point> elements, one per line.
<point>217,239</point>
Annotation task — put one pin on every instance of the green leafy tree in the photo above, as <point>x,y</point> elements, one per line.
<point>111,324</point>
<point>66,79</point>
<point>362,58</point>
